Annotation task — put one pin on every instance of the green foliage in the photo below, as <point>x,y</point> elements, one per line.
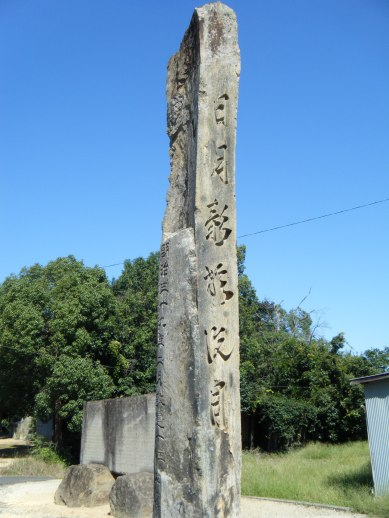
<point>72,381</point>
<point>285,421</point>
<point>283,366</point>
<point>56,326</point>
<point>63,308</point>
<point>279,364</point>
<point>136,291</point>
<point>71,336</point>
<point>4,426</point>
<point>378,359</point>
<point>46,451</point>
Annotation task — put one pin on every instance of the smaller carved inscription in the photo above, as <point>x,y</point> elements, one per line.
<point>163,278</point>
<point>157,494</point>
<point>160,428</point>
<point>216,224</point>
<point>165,249</point>
<point>160,358</point>
<point>160,456</point>
<point>163,287</point>
<point>163,269</point>
<point>161,331</point>
<point>160,403</point>
<point>162,306</point>
<point>159,383</point>
<point>163,296</point>
<point>163,291</point>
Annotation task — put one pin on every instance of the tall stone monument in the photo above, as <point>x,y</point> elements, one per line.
<point>198,440</point>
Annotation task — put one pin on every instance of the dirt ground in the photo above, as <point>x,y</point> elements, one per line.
<point>36,499</point>
<point>9,448</point>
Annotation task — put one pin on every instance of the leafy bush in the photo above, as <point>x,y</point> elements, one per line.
<point>284,422</point>
<point>4,427</point>
<point>72,337</point>
<point>46,451</point>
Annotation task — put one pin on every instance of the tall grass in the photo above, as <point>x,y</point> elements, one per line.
<point>34,467</point>
<point>328,474</point>
<point>38,458</point>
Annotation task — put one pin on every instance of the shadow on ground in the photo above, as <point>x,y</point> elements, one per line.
<point>354,480</point>
<point>10,452</point>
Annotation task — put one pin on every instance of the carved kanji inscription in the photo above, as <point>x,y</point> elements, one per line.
<point>216,224</point>
<point>218,343</point>
<point>221,164</point>
<point>217,417</point>
<point>220,110</point>
<point>198,441</point>
<point>217,283</point>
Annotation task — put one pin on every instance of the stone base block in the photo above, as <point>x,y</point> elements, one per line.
<point>85,486</point>
<point>132,496</point>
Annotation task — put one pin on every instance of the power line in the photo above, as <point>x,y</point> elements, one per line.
<point>314,218</point>
<point>294,223</point>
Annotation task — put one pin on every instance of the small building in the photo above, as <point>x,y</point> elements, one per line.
<point>377,414</point>
<point>45,429</point>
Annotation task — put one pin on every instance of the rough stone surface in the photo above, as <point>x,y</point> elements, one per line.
<point>85,486</point>
<point>120,433</point>
<point>198,440</point>
<point>23,428</point>
<point>132,496</point>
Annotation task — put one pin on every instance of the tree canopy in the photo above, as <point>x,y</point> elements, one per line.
<point>68,335</point>
<point>62,310</point>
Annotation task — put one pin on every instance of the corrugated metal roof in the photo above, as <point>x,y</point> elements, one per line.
<point>369,379</point>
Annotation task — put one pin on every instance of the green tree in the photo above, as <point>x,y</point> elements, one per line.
<point>68,335</point>
<point>23,333</point>
<point>136,291</point>
<point>284,367</point>
<point>46,312</point>
<point>377,360</point>
<point>73,381</point>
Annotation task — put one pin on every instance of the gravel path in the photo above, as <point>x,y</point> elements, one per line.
<point>36,500</point>
<point>258,508</point>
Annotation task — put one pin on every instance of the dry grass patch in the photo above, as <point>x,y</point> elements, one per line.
<point>33,467</point>
<point>30,458</point>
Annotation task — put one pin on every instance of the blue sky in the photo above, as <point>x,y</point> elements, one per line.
<point>84,153</point>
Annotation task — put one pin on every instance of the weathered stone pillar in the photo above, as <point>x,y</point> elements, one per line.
<point>198,440</point>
